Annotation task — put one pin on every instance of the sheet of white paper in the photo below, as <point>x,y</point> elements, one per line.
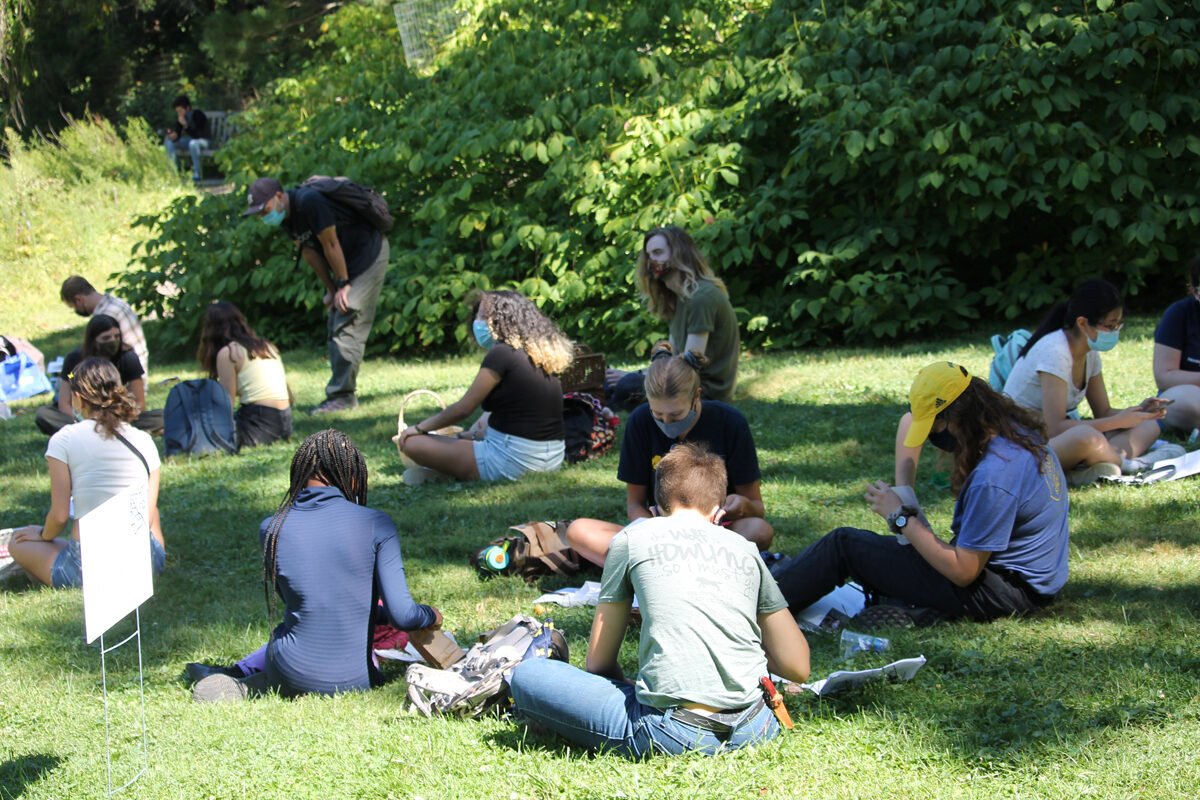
<point>114,544</point>
<point>848,599</point>
<point>569,597</point>
<point>1171,469</point>
<point>902,670</point>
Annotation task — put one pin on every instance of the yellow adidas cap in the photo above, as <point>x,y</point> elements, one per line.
<point>936,386</point>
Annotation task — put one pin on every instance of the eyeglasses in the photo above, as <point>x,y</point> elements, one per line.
<point>1110,328</point>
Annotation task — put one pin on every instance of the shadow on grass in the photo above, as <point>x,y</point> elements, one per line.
<point>19,773</point>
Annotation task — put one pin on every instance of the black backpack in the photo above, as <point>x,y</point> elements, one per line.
<point>365,202</point>
<point>198,419</point>
<point>589,429</point>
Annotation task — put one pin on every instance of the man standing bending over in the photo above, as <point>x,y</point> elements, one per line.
<point>350,258</point>
<point>82,297</point>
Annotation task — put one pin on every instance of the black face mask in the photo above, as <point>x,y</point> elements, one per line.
<point>109,349</point>
<point>82,313</point>
<point>944,440</point>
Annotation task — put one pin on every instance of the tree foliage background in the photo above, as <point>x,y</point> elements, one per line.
<point>854,171</point>
<point>62,59</point>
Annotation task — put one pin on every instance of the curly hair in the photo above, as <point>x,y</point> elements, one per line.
<point>223,324</point>
<point>518,323</point>
<point>686,258</point>
<point>98,385</point>
<point>981,414</point>
<point>331,457</point>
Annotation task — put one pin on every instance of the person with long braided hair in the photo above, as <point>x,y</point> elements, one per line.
<point>331,559</point>
<point>89,462</point>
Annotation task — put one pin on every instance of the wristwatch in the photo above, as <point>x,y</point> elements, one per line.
<point>340,282</point>
<point>899,518</point>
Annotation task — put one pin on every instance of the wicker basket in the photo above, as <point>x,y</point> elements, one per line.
<point>449,430</point>
<point>586,372</point>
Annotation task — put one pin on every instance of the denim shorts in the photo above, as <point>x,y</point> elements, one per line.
<point>67,569</point>
<point>502,455</point>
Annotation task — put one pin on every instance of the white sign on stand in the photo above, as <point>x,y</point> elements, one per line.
<point>114,545</point>
<point>114,548</point>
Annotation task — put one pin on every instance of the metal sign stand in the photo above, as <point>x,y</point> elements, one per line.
<point>137,634</point>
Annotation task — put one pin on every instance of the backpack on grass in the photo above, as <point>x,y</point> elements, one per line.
<point>1007,350</point>
<point>198,419</point>
<point>478,683</point>
<point>364,201</point>
<point>589,428</point>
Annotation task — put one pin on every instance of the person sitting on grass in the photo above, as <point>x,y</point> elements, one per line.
<point>249,367</point>
<point>518,387</point>
<point>1060,365</point>
<point>102,338</point>
<point>330,559</point>
<point>681,288</point>
<point>1009,550</point>
<point>89,462</point>
<point>713,624</point>
<point>1177,357</point>
<point>675,412</point>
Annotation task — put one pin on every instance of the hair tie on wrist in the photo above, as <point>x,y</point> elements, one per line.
<point>691,360</point>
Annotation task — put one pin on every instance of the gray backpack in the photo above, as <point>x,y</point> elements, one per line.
<point>478,683</point>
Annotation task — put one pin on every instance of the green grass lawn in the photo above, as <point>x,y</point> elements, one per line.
<point>1097,697</point>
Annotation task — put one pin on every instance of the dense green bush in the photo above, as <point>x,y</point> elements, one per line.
<point>853,172</point>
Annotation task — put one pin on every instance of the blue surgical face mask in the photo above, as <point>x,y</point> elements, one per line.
<point>273,217</point>
<point>483,334</point>
<point>673,430</point>
<point>1104,341</point>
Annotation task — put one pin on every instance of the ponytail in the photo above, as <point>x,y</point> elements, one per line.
<point>1092,300</point>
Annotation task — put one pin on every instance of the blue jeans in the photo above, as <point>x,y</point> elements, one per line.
<point>601,714</point>
<point>193,146</point>
<point>67,569</point>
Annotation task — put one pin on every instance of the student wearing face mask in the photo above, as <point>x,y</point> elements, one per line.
<point>101,339</point>
<point>1177,357</point>
<point>676,412</point>
<point>1060,365</point>
<point>350,258</point>
<point>1008,555</point>
<point>518,388</point>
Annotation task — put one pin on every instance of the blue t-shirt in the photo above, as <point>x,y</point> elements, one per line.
<point>1015,511</point>
<point>723,428</point>
<point>1179,328</point>
<point>334,560</point>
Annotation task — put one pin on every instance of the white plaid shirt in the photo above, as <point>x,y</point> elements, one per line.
<point>131,327</point>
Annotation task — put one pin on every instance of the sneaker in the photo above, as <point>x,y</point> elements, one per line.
<point>219,688</point>
<point>1082,476</point>
<point>336,404</point>
<point>197,672</point>
<point>417,476</point>
<point>1162,451</point>
<point>873,618</point>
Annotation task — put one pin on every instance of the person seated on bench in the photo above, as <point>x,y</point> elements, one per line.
<point>249,367</point>
<point>676,412</point>
<point>1009,550</point>
<point>1177,357</point>
<point>713,624</point>
<point>517,385</point>
<point>102,338</point>
<point>190,132</point>
<point>1060,365</point>
<point>330,559</point>
<point>90,461</point>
